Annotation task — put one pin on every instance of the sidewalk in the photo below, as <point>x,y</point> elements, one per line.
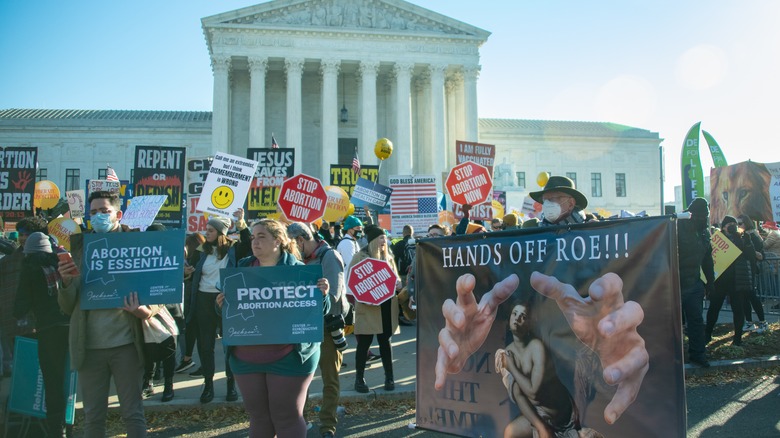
<point>188,389</point>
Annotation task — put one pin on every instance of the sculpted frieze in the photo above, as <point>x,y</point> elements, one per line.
<point>371,14</point>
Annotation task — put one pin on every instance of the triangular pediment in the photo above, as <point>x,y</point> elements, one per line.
<point>381,16</point>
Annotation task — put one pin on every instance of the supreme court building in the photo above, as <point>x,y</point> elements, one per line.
<point>329,77</point>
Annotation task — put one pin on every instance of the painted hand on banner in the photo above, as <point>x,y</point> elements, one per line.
<point>607,325</point>
<point>468,323</point>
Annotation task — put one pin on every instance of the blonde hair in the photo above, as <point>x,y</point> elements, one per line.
<point>279,231</point>
<point>375,253</point>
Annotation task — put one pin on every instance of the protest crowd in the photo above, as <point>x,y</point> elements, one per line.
<point>136,343</point>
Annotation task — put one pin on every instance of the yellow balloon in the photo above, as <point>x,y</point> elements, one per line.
<point>337,205</point>
<point>542,178</point>
<point>498,209</point>
<point>383,148</point>
<point>351,209</point>
<point>47,194</point>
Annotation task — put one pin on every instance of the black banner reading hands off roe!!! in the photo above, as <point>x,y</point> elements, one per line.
<point>575,303</point>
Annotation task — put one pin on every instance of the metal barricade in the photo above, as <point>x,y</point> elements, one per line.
<point>769,282</point>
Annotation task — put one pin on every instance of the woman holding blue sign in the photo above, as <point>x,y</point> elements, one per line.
<point>274,379</point>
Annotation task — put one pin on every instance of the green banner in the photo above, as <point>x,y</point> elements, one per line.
<point>717,155</point>
<point>690,164</point>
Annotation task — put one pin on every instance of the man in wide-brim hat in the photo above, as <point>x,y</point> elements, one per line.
<point>561,202</point>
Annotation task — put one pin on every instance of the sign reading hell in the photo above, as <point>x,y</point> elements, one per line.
<point>160,171</point>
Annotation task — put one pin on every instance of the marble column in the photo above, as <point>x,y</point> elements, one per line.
<point>257,70</point>
<point>455,115</point>
<point>438,123</point>
<point>403,141</point>
<point>329,152</point>
<point>220,64</point>
<point>294,69</point>
<point>368,71</point>
<point>470,75</point>
<point>422,153</point>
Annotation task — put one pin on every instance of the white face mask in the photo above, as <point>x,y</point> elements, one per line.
<point>551,211</point>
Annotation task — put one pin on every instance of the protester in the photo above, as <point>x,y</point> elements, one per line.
<point>561,202</point>
<point>353,231</point>
<point>466,226</point>
<point>772,239</point>
<point>379,320</point>
<point>399,251</point>
<point>10,269</point>
<point>106,343</point>
<point>751,297</point>
<point>695,256</point>
<point>38,290</point>
<point>734,282</point>
<point>218,252</point>
<point>512,222</point>
<point>274,379</point>
<point>315,251</point>
<point>190,332</point>
<point>496,224</point>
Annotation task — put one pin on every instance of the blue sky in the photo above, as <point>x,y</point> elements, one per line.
<point>660,65</point>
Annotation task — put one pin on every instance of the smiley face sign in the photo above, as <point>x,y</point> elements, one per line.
<point>226,185</point>
<point>222,197</point>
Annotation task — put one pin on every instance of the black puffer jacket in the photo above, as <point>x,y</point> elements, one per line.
<point>695,253</point>
<point>34,292</point>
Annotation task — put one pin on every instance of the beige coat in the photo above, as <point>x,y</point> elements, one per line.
<point>368,318</point>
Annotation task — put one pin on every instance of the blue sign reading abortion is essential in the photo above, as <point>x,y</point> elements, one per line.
<point>115,264</point>
<point>271,305</point>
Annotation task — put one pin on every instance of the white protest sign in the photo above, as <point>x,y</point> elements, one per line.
<point>76,203</point>
<point>227,184</point>
<point>774,189</point>
<point>142,211</point>
<point>102,185</point>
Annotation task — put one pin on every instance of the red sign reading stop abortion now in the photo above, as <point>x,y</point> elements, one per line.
<point>372,281</point>
<point>469,183</point>
<point>302,198</point>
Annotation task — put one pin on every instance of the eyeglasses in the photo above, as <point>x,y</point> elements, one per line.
<point>434,235</point>
<point>739,223</point>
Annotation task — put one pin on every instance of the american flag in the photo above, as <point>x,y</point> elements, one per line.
<point>111,175</point>
<point>418,197</point>
<point>274,144</point>
<point>356,164</point>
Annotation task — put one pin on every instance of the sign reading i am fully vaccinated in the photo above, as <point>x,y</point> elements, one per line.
<point>115,264</point>
<point>271,305</point>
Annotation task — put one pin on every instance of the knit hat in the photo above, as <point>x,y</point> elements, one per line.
<point>37,242</point>
<point>372,232</point>
<point>157,226</point>
<point>726,220</point>
<point>531,223</point>
<point>13,235</point>
<point>220,223</point>
<point>351,222</point>
<point>299,229</point>
<point>699,207</point>
<point>510,220</point>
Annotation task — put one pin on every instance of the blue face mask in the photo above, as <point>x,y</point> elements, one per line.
<point>102,223</point>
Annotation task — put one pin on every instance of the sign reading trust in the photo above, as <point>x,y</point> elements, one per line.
<point>115,264</point>
<point>271,305</point>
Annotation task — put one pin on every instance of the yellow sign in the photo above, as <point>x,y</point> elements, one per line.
<point>62,228</point>
<point>47,194</point>
<point>724,252</point>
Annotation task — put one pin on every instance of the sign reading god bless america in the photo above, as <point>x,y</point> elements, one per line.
<point>116,264</point>
<point>286,295</point>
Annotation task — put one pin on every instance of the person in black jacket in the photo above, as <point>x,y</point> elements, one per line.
<point>751,298</point>
<point>734,282</point>
<point>695,255</point>
<point>38,289</point>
